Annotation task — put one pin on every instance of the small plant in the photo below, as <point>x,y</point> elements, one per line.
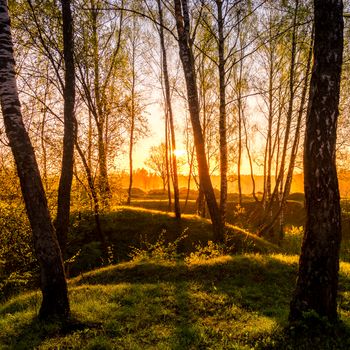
<point>240,216</point>
<point>160,250</point>
<point>293,239</point>
<point>239,210</point>
<point>209,251</point>
<point>110,255</point>
<point>88,257</point>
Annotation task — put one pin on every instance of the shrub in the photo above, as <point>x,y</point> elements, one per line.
<point>160,250</point>
<point>18,266</point>
<point>202,253</point>
<point>292,240</point>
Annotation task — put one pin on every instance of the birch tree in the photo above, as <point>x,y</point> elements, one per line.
<point>65,184</point>
<point>317,282</point>
<point>99,47</point>
<point>169,112</point>
<point>186,55</point>
<point>53,283</point>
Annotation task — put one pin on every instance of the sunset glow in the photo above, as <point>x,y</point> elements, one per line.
<point>179,153</point>
<point>175,174</point>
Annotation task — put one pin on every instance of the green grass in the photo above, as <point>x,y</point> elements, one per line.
<point>129,227</point>
<point>204,299</point>
<point>229,302</point>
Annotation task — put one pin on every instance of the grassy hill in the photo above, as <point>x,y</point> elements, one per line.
<point>206,297</point>
<point>127,228</point>
<point>226,302</point>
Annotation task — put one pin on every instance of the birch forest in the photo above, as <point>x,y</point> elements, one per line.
<point>174,174</point>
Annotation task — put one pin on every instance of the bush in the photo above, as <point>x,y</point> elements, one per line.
<point>207,252</point>
<point>18,265</point>
<point>292,240</point>
<point>160,250</point>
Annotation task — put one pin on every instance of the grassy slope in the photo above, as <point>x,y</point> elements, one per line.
<point>227,302</point>
<point>230,302</point>
<point>128,227</point>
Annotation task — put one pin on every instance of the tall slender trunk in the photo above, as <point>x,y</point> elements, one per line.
<point>42,137</point>
<point>200,202</point>
<point>166,181</point>
<point>89,147</point>
<point>239,158</point>
<point>264,197</point>
<point>132,123</point>
<point>280,176</point>
<point>170,114</point>
<point>95,202</point>
<point>53,283</point>
<point>222,113</point>
<point>189,178</point>
<point>187,59</point>
<point>269,129</point>
<point>240,110</point>
<point>131,146</point>
<point>43,149</point>
<point>105,191</point>
<point>317,281</point>
<point>249,159</point>
<point>276,149</point>
<point>65,184</point>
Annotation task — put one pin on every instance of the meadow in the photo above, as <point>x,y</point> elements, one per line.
<point>166,285</point>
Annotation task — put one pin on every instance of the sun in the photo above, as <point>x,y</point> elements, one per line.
<point>179,152</point>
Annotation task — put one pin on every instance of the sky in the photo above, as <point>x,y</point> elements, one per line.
<point>154,113</point>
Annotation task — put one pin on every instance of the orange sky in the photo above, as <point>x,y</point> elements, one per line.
<point>154,113</point>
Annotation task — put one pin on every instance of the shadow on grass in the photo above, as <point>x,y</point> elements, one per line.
<point>312,333</point>
<point>186,335</point>
<point>35,332</point>
<point>257,283</point>
<point>187,306</point>
<point>158,315</point>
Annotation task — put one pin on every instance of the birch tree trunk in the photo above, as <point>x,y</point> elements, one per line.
<point>187,59</point>
<point>100,115</point>
<point>65,184</point>
<point>95,202</point>
<point>169,113</point>
<point>132,121</point>
<point>222,113</point>
<point>295,146</point>
<point>166,175</point>
<point>131,148</point>
<point>53,283</point>
<point>281,173</point>
<point>319,262</point>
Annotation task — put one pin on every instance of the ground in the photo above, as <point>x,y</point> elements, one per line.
<point>201,296</point>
